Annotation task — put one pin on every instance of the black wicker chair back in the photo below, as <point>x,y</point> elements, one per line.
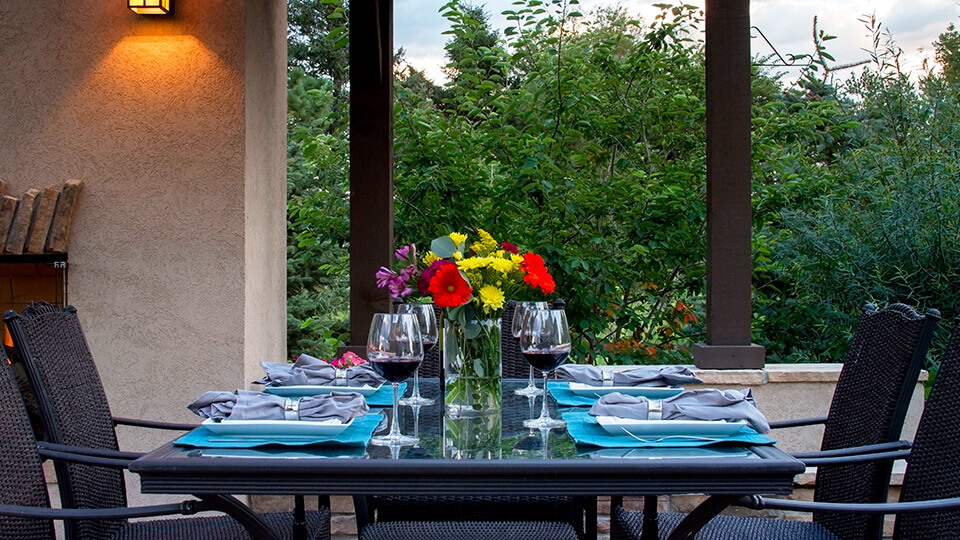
<point>430,367</point>
<point>74,409</point>
<point>514,365</point>
<point>23,481</point>
<point>869,406</point>
<point>933,468</point>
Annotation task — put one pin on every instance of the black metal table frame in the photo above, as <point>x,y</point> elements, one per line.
<point>724,479</point>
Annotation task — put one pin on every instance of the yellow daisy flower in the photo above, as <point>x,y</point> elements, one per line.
<point>491,298</point>
<point>458,238</point>
<point>429,258</point>
<point>503,266</point>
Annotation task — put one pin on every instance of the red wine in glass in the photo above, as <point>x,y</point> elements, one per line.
<point>395,369</point>
<point>546,360</point>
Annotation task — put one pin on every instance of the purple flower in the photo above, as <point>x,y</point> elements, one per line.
<point>423,284</point>
<point>395,283</point>
<point>407,253</point>
<point>384,276</point>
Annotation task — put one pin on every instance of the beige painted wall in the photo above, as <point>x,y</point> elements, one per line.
<point>176,127</point>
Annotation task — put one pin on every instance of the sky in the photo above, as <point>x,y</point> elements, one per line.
<point>914,24</point>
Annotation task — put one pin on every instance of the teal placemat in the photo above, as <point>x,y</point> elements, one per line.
<point>560,390</point>
<point>358,434</point>
<point>586,431</point>
<point>384,396</point>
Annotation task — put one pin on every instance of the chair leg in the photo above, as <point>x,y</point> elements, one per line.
<point>299,518</point>
<point>651,526</point>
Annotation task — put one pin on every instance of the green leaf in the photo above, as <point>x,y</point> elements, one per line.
<point>443,247</point>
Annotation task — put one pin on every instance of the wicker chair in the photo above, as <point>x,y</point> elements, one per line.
<point>76,419</point>
<point>929,506</point>
<point>866,416</point>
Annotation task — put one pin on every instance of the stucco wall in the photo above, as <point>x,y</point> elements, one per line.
<point>176,127</point>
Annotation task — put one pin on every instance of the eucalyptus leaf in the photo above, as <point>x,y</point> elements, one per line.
<point>443,247</point>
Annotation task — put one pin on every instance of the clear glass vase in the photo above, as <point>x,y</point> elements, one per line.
<point>471,368</point>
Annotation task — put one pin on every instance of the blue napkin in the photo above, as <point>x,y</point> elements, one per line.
<point>358,434</point>
<point>384,396</point>
<point>560,390</point>
<point>586,431</point>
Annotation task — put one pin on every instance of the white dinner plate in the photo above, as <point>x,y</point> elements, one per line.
<point>277,428</point>
<point>654,392</point>
<point>665,428</point>
<point>316,390</point>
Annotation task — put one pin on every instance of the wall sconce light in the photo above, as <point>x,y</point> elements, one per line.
<point>151,7</point>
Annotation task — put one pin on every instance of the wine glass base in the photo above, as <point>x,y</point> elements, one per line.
<point>415,401</point>
<point>529,391</point>
<point>394,440</point>
<point>544,423</point>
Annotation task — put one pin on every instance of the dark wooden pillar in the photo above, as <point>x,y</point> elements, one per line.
<point>728,190</point>
<point>371,160</point>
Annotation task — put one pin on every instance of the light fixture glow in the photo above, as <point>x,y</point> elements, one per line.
<point>151,7</point>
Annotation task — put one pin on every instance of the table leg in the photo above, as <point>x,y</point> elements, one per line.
<point>299,518</point>
<point>651,525</point>
<point>695,520</point>
<point>590,516</point>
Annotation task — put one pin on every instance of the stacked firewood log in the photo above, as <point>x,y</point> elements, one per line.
<point>38,221</point>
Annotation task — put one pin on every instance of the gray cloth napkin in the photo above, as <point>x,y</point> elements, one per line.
<point>641,376</point>
<point>692,405</point>
<point>308,370</point>
<point>248,405</point>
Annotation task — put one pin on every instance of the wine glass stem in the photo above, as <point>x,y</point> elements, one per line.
<point>544,413</point>
<point>530,384</point>
<point>416,384</point>
<point>395,424</point>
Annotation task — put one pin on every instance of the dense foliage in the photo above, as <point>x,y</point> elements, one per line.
<point>582,137</point>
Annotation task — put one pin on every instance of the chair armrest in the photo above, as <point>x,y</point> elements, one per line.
<point>82,450</point>
<point>857,458</point>
<point>758,503</point>
<point>854,450</point>
<point>85,459</point>
<point>185,508</point>
<point>798,422</point>
<point>152,424</point>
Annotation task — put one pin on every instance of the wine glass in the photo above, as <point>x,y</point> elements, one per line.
<point>427,320</point>
<point>545,343</point>
<point>531,388</point>
<point>395,351</point>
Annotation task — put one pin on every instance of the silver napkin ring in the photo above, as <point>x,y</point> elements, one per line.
<point>607,377</point>
<point>654,409</point>
<point>291,409</point>
<point>341,378</point>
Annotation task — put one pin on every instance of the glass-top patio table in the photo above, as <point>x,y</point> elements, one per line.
<point>492,455</point>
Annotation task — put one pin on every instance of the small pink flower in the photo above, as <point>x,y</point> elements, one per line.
<point>507,246</point>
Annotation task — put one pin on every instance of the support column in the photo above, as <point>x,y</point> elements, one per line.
<point>729,309</point>
<point>371,161</point>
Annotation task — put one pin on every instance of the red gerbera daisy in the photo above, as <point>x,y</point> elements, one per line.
<point>448,287</point>
<point>536,274</point>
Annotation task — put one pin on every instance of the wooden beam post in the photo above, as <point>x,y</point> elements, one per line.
<point>729,267</point>
<point>371,161</point>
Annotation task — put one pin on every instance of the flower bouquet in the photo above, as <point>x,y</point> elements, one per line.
<point>471,284</point>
